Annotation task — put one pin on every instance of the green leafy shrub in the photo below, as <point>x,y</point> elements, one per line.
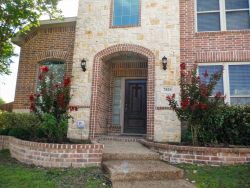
<point>54,130</point>
<point>226,125</point>
<point>18,121</point>
<point>22,133</point>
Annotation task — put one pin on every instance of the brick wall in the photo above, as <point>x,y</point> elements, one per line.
<point>200,155</point>
<point>48,42</point>
<point>53,155</point>
<point>102,92</point>
<point>203,47</point>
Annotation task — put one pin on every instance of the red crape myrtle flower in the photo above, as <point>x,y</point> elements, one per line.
<point>32,97</point>
<point>202,106</point>
<point>44,69</point>
<point>66,81</point>
<point>185,103</point>
<point>183,66</point>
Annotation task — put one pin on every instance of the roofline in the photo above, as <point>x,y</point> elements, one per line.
<point>18,40</point>
<point>51,22</point>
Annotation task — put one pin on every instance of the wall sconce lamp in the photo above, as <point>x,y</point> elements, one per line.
<point>83,65</point>
<point>164,62</point>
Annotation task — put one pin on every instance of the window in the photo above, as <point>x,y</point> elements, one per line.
<point>239,81</point>
<point>55,67</point>
<point>235,83</point>
<point>221,15</point>
<point>126,13</point>
<point>116,102</point>
<point>211,70</point>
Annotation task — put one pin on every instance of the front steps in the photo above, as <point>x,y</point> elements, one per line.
<point>139,170</point>
<point>132,165</point>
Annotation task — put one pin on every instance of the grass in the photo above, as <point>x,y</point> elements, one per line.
<point>16,175</point>
<point>218,177</point>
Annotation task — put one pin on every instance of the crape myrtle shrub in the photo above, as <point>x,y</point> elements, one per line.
<point>210,121</point>
<point>49,107</point>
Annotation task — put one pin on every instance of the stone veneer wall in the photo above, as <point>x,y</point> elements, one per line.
<point>200,155</point>
<point>158,32</point>
<point>53,155</point>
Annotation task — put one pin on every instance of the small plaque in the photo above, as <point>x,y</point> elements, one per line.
<point>168,90</point>
<point>80,124</point>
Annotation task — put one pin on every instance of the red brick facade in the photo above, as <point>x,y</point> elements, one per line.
<point>53,155</point>
<point>204,47</point>
<point>101,89</point>
<point>48,42</point>
<point>200,155</point>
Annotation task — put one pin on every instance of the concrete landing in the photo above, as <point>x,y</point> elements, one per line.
<point>122,170</point>
<point>117,150</point>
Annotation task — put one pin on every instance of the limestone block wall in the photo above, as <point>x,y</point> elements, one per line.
<point>158,32</point>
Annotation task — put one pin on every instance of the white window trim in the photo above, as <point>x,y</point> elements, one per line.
<point>226,84</point>
<point>222,11</point>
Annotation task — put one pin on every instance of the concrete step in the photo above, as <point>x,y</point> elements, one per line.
<point>153,184</point>
<point>129,170</point>
<point>130,156</point>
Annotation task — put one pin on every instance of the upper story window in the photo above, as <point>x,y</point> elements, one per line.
<point>126,13</point>
<point>222,15</point>
<point>56,68</point>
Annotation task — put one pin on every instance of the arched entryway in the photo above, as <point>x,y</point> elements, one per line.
<point>115,69</point>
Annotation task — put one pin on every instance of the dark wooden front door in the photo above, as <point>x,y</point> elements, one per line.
<point>135,112</point>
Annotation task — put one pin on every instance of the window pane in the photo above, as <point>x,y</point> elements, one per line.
<point>126,12</point>
<point>237,4</point>
<point>211,70</point>
<point>237,20</point>
<point>239,76</point>
<point>116,102</point>
<point>240,100</point>
<point>207,5</point>
<point>209,22</point>
<point>56,68</point>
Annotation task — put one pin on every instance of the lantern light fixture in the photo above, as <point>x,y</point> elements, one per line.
<point>164,62</point>
<point>83,65</point>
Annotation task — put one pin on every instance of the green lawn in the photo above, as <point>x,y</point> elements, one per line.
<point>16,175</point>
<point>218,177</point>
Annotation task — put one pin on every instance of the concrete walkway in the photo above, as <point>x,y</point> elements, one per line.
<point>131,165</point>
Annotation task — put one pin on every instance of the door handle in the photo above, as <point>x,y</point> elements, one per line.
<point>126,107</point>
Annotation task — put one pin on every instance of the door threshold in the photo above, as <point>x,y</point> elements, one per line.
<point>133,134</point>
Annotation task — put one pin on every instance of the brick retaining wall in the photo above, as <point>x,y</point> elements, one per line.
<point>53,155</point>
<point>200,155</point>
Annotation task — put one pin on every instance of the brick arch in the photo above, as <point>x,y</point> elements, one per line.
<point>51,54</point>
<point>97,67</point>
